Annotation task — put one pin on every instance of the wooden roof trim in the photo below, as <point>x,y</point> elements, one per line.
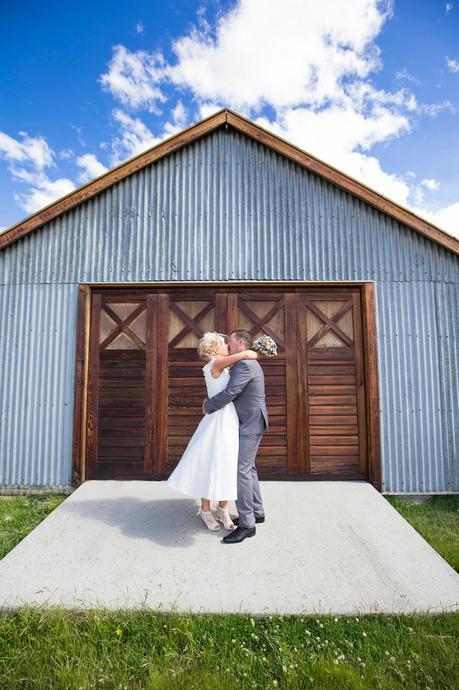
<point>256,132</point>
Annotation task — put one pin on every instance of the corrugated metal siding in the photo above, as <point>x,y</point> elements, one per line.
<point>414,446</point>
<point>37,368</point>
<point>227,208</point>
<point>448,329</point>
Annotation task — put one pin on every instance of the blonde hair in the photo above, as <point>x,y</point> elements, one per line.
<point>209,344</point>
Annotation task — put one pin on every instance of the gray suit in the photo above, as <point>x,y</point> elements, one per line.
<point>246,388</point>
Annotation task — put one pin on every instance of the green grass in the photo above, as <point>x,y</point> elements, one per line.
<point>437,520</point>
<point>47,648</point>
<point>19,515</point>
<point>54,648</point>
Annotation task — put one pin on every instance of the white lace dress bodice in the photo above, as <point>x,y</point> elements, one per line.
<point>208,467</point>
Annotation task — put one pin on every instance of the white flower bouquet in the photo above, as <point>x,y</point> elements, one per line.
<point>266,345</point>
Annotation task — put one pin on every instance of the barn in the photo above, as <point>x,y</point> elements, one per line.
<point>105,293</point>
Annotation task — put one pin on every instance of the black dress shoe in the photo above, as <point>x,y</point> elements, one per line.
<point>260,518</point>
<point>239,534</point>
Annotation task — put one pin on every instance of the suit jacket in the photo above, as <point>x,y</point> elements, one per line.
<point>246,388</point>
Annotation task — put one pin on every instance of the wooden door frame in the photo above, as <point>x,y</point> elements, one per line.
<point>370,355</point>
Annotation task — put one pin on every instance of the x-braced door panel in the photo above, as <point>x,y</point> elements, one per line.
<point>332,395</point>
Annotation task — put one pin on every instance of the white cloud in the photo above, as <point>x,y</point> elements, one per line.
<point>452,65</point>
<point>139,27</point>
<point>134,137</point>
<point>430,184</point>
<point>132,78</point>
<point>434,109</point>
<point>65,154</point>
<point>28,158</point>
<point>208,109</point>
<point>448,7</point>
<point>179,121</point>
<point>79,133</point>
<point>31,150</point>
<point>446,218</point>
<point>283,54</point>
<point>179,114</point>
<point>91,167</point>
<point>403,74</point>
<point>43,191</point>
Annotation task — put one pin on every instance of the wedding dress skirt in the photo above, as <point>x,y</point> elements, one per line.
<point>208,467</point>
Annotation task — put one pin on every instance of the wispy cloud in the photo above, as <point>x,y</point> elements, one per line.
<point>452,65</point>
<point>28,158</point>
<point>430,184</point>
<point>32,150</point>
<point>133,137</point>
<point>91,167</point>
<point>404,75</point>
<point>42,190</point>
<point>79,133</point>
<point>133,78</point>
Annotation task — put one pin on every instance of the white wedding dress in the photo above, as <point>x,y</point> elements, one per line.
<point>208,467</point>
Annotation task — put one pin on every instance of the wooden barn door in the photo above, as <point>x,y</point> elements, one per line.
<point>332,441</point>
<point>146,384</point>
<point>122,425</point>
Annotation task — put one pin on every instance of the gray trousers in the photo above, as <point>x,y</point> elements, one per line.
<point>249,503</point>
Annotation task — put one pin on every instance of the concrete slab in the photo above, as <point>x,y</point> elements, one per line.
<point>326,547</point>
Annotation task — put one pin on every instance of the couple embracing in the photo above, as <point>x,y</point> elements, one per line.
<point>219,461</point>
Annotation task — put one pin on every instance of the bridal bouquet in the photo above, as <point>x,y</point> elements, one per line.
<point>266,345</point>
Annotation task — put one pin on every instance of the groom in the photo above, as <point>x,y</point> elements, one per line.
<point>246,388</point>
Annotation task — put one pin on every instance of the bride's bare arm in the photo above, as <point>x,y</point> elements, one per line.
<point>227,361</point>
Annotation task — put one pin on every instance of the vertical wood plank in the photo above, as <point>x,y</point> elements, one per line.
<point>162,364</point>
<point>221,313</point>
<point>81,383</point>
<point>151,394</point>
<point>93,386</point>
<point>292,384</point>
<point>232,312</point>
<point>372,388</point>
<point>360,382</point>
<point>302,378</point>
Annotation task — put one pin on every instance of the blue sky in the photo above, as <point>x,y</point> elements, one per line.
<point>370,87</point>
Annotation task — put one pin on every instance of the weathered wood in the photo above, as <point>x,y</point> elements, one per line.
<point>148,401</point>
<point>81,385</point>
<point>93,387</point>
<point>371,390</point>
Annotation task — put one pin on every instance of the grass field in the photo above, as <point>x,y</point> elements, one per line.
<point>55,648</point>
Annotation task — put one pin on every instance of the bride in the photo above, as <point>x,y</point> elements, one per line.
<point>208,467</point>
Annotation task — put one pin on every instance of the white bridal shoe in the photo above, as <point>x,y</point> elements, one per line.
<point>223,516</point>
<point>209,519</point>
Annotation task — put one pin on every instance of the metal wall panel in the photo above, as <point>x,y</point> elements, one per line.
<point>414,445</point>
<point>37,369</point>
<point>227,208</point>
<point>447,296</point>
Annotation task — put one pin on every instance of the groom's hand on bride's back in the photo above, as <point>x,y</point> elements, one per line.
<point>203,408</point>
